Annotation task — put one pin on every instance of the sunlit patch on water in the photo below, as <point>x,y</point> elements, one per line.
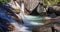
<point>29,17</point>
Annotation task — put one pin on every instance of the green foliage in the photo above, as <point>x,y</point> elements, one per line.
<point>50,2</point>
<point>4,1</point>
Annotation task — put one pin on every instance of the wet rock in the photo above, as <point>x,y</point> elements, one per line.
<point>47,20</point>
<point>42,29</point>
<point>54,9</point>
<point>57,18</point>
<point>50,27</point>
<point>57,27</point>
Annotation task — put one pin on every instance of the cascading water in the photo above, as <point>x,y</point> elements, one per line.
<point>25,27</point>
<point>19,28</point>
<point>26,21</point>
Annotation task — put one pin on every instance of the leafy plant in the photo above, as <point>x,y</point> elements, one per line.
<point>50,2</point>
<point>4,1</point>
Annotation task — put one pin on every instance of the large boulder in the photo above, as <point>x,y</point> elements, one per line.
<point>57,8</point>
<point>32,5</point>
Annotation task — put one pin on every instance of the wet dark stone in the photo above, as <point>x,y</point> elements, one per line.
<point>34,12</point>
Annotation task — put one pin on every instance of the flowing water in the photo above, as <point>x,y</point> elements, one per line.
<point>29,21</point>
<point>33,21</point>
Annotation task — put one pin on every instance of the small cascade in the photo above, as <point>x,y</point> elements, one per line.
<point>24,27</point>
<point>19,27</point>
